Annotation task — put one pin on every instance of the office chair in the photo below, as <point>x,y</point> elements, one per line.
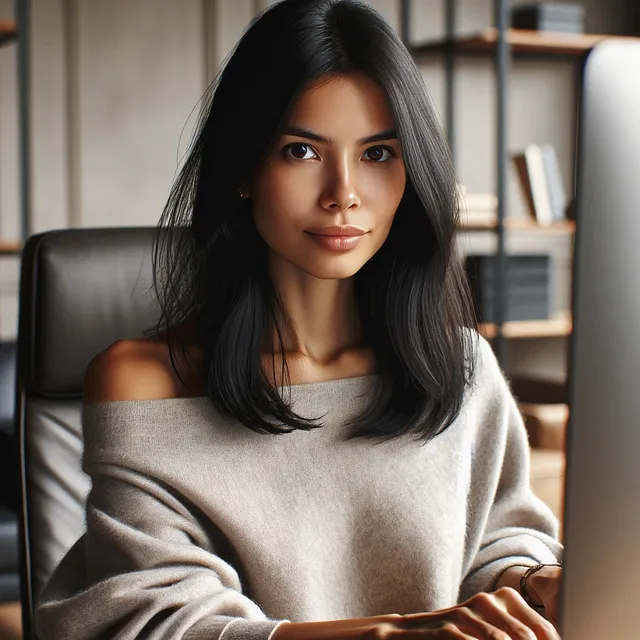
<point>80,291</point>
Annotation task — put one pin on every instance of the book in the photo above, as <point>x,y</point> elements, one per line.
<point>478,209</point>
<point>481,202</point>
<point>533,180</point>
<point>478,218</point>
<point>555,185</point>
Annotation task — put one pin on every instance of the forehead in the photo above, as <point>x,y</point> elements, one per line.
<point>352,106</point>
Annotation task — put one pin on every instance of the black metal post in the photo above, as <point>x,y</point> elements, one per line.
<point>22,16</point>
<point>502,72</point>
<point>405,21</point>
<point>449,67</point>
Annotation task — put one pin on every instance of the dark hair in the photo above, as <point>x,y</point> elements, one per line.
<point>412,295</point>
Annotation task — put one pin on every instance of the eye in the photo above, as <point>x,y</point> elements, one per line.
<point>299,151</point>
<point>379,154</point>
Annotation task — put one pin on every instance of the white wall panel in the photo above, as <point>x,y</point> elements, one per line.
<point>141,71</point>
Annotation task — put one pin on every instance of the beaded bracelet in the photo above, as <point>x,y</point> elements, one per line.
<point>523,581</point>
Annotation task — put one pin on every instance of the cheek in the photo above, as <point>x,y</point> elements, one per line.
<point>277,203</point>
<point>384,195</point>
<point>274,185</point>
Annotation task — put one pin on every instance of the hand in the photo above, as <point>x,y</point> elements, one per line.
<point>502,615</point>
<point>543,588</point>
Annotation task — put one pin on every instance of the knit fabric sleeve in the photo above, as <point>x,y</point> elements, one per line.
<point>147,568</point>
<point>511,525</point>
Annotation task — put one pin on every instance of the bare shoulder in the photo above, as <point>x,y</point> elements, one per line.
<point>134,370</point>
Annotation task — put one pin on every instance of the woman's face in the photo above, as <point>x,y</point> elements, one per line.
<point>325,199</point>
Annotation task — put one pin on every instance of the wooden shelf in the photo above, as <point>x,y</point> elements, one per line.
<point>522,224</point>
<point>547,475</point>
<point>521,41</point>
<point>546,424</point>
<point>8,31</point>
<point>536,390</point>
<point>559,326</point>
<point>10,248</point>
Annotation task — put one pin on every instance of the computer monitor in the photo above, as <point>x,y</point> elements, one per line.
<point>601,587</point>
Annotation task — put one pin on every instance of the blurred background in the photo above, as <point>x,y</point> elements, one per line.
<point>113,93</point>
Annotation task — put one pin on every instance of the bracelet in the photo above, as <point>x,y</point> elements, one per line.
<point>526,575</point>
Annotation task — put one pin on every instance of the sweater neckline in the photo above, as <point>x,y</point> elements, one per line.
<point>304,387</point>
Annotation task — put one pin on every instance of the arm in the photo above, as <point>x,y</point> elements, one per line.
<point>147,568</point>
<point>147,565</point>
<point>516,528</point>
<point>150,571</point>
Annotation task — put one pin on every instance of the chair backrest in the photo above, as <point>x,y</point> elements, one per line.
<point>80,291</point>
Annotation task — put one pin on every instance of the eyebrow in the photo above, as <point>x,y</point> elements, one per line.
<point>299,132</point>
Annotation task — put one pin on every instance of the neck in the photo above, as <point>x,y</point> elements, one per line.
<point>322,315</point>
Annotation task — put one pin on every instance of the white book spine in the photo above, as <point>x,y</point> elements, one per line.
<point>554,181</point>
<point>539,188</point>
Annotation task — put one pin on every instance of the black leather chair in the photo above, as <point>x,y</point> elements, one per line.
<point>80,290</point>
<point>9,487</point>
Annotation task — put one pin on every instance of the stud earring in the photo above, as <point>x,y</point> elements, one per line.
<point>243,193</point>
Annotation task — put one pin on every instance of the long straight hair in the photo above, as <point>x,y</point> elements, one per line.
<point>210,263</point>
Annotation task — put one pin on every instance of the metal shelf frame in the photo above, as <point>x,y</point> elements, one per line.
<point>501,9</point>
<point>22,10</point>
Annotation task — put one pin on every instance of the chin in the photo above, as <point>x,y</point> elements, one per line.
<point>336,271</point>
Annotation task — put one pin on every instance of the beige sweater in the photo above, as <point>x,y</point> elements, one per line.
<point>199,528</point>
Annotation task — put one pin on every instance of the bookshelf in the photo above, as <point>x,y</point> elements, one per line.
<point>561,325</point>
<point>521,224</point>
<point>501,42</point>
<point>8,31</point>
<point>520,41</point>
<point>14,33</point>
<point>8,35</point>
<point>9,248</point>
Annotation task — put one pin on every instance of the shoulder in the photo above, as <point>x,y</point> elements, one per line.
<point>486,357</point>
<point>487,373</point>
<point>138,370</point>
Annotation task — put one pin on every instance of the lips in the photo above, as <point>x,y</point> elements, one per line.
<point>337,239</point>
<point>348,231</point>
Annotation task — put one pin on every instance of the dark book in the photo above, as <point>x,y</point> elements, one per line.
<point>549,16</point>
<point>528,291</point>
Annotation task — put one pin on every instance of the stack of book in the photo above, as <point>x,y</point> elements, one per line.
<point>549,16</point>
<point>528,290</point>
<point>478,209</point>
<point>541,182</point>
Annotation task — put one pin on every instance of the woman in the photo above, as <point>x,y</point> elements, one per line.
<point>313,444</point>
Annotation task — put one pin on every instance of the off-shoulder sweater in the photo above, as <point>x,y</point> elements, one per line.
<point>198,528</point>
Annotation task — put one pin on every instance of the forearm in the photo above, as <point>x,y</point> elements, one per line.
<point>348,629</point>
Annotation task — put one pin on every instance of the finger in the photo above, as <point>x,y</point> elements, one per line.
<point>516,607</point>
<point>551,614</point>
<point>491,619</point>
<point>419,627</point>
<point>422,627</point>
<point>514,628</point>
<point>450,630</point>
<point>487,631</point>
<point>443,632</point>
<point>552,609</point>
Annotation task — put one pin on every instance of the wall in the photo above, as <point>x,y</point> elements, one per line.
<point>115,85</point>
<point>113,89</point>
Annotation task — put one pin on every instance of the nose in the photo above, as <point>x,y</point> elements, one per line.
<point>340,192</point>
